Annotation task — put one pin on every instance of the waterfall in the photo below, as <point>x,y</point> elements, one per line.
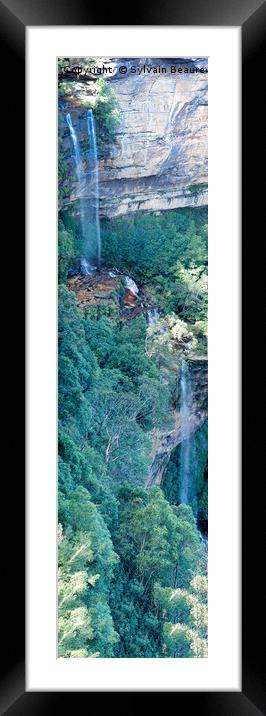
<point>131,285</point>
<point>153,316</point>
<point>94,175</point>
<point>88,192</point>
<point>81,178</point>
<point>185,448</point>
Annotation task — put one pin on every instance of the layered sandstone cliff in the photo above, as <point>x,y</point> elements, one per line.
<point>158,159</point>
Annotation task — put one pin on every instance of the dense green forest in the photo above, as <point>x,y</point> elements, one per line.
<point>132,564</point>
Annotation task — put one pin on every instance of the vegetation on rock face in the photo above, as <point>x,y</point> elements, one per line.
<point>132,564</point>
<point>65,251</point>
<point>106,113</point>
<point>198,475</point>
<point>102,100</point>
<point>197,188</point>
<point>169,253</point>
<point>63,171</point>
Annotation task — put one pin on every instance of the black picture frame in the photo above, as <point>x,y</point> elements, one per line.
<point>15,16</point>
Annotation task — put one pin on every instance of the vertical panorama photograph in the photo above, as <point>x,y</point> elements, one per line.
<point>132,357</point>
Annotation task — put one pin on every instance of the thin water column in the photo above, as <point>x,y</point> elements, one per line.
<point>153,316</point>
<point>88,193</point>
<point>185,448</point>
<point>94,187</point>
<point>81,177</point>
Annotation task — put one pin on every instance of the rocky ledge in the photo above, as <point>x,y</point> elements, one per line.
<point>115,291</point>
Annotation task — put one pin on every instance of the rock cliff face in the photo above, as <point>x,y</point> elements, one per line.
<point>165,443</point>
<point>158,159</point>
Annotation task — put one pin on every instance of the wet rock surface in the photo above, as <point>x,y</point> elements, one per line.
<point>112,290</point>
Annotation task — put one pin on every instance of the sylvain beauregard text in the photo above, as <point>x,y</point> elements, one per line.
<point>133,69</point>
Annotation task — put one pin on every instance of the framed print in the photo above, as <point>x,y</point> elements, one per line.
<point>133,511</point>
<point>133,494</point>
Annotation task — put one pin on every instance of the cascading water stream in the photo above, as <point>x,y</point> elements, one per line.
<point>131,285</point>
<point>88,192</point>
<point>153,316</point>
<point>185,448</point>
<point>81,178</point>
<point>94,174</point>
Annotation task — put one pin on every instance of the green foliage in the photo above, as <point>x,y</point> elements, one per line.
<point>197,188</point>
<point>64,88</point>
<point>198,493</point>
<point>158,545</point>
<point>106,114</point>
<point>62,62</point>
<point>74,620</point>
<point>151,244</point>
<point>120,539</point>
<point>200,332</point>
<point>169,336</point>
<point>185,636</point>
<point>171,251</point>
<point>65,251</point>
<point>64,179</point>
<point>86,560</point>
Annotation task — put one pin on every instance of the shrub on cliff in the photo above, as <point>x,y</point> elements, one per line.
<point>65,251</point>
<point>106,113</point>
